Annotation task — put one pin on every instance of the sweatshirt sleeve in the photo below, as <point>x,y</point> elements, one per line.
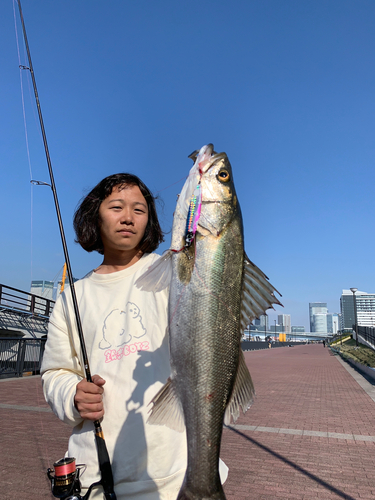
<point>61,368</point>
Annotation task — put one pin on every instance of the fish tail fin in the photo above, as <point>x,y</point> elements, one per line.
<point>242,394</point>
<point>167,409</point>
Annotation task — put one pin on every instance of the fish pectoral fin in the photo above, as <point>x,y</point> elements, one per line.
<point>167,409</point>
<point>258,294</point>
<point>158,276</point>
<point>242,394</point>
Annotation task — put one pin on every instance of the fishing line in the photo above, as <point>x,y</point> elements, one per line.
<point>170,185</point>
<point>27,141</point>
<point>38,387</point>
<point>21,67</point>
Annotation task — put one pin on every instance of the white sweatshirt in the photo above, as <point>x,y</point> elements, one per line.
<point>127,344</point>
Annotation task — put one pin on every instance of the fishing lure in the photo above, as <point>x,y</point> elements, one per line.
<point>193,215</point>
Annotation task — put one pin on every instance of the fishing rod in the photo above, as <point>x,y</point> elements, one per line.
<point>65,484</point>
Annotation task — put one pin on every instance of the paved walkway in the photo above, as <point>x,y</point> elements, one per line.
<point>309,435</point>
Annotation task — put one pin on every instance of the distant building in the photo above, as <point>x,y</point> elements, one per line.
<point>42,288</point>
<point>333,324</point>
<point>261,322</point>
<point>347,310</point>
<point>316,308</point>
<point>319,323</point>
<point>276,329</point>
<point>298,329</point>
<point>284,321</point>
<point>365,309</point>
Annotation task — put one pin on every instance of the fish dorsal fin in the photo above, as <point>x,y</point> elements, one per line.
<point>257,294</point>
<point>158,276</point>
<point>167,409</point>
<point>242,394</point>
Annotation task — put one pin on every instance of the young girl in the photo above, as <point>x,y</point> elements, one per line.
<point>125,332</point>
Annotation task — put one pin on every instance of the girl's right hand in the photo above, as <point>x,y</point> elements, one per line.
<point>89,398</point>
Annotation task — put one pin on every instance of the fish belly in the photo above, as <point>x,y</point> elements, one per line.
<point>205,342</point>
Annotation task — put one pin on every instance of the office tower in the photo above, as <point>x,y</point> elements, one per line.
<point>365,309</point>
<point>333,324</point>
<point>320,323</point>
<point>261,322</point>
<point>284,321</point>
<point>314,309</point>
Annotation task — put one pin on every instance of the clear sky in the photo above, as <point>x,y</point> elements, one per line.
<point>285,87</point>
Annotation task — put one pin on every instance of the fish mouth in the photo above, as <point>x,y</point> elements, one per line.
<point>210,157</point>
<point>214,158</point>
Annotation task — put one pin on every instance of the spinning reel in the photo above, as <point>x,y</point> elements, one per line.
<point>65,483</point>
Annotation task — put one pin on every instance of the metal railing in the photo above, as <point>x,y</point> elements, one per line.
<point>24,302</point>
<point>367,333</point>
<point>19,356</point>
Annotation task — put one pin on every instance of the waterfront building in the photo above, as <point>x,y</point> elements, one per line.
<point>333,324</point>
<point>298,329</point>
<point>261,322</point>
<point>42,288</point>
<point>284,321</point>
<point>365,309</point>
<point>320,323</point>
<point>316,308</point>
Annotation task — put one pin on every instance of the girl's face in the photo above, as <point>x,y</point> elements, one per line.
<point>123,218</point>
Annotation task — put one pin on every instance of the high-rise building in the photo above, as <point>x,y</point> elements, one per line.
<point>284,321</point>
<point>319,324</point>
<point>347,310</point>
<point>261,322</point>
<point>333,324</point>
<point>365,309</point>
<point>316,308</point>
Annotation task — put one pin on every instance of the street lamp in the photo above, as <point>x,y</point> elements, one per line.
<point>355,315</point>
<point>275,329</point>
<point>265,327</point>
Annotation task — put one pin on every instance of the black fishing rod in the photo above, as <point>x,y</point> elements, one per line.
<point>104,463</point>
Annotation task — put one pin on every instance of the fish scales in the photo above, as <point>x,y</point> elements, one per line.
<point>204,354</point>
<point>213,287</point>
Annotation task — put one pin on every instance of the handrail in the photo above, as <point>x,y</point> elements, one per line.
<point>19,356</point>
<point>26,302</point>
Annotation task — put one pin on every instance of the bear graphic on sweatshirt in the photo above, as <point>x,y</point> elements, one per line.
<point>120,326</point>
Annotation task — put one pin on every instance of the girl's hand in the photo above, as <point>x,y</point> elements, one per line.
<point>89,398</point>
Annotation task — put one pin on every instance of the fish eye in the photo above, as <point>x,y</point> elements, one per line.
<point>223,176</point>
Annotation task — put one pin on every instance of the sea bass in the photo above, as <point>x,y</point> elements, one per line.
<point>215,292</point>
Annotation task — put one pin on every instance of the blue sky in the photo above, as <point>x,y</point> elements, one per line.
<point>286,88</point>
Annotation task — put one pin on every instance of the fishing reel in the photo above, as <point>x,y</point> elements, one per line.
<point>65,483</point>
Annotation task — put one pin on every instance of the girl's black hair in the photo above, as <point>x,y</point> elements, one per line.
<point>86,220</point>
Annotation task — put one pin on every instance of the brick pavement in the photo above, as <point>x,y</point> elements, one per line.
<point>31,440</point>
<point>306,391</point>
<point>304,396</point>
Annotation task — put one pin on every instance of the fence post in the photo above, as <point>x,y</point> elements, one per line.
<point>41,352</point>
<point>20,357</point>
<point>32,303</point>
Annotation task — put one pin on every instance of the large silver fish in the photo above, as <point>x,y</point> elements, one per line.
<point>215,292</point>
